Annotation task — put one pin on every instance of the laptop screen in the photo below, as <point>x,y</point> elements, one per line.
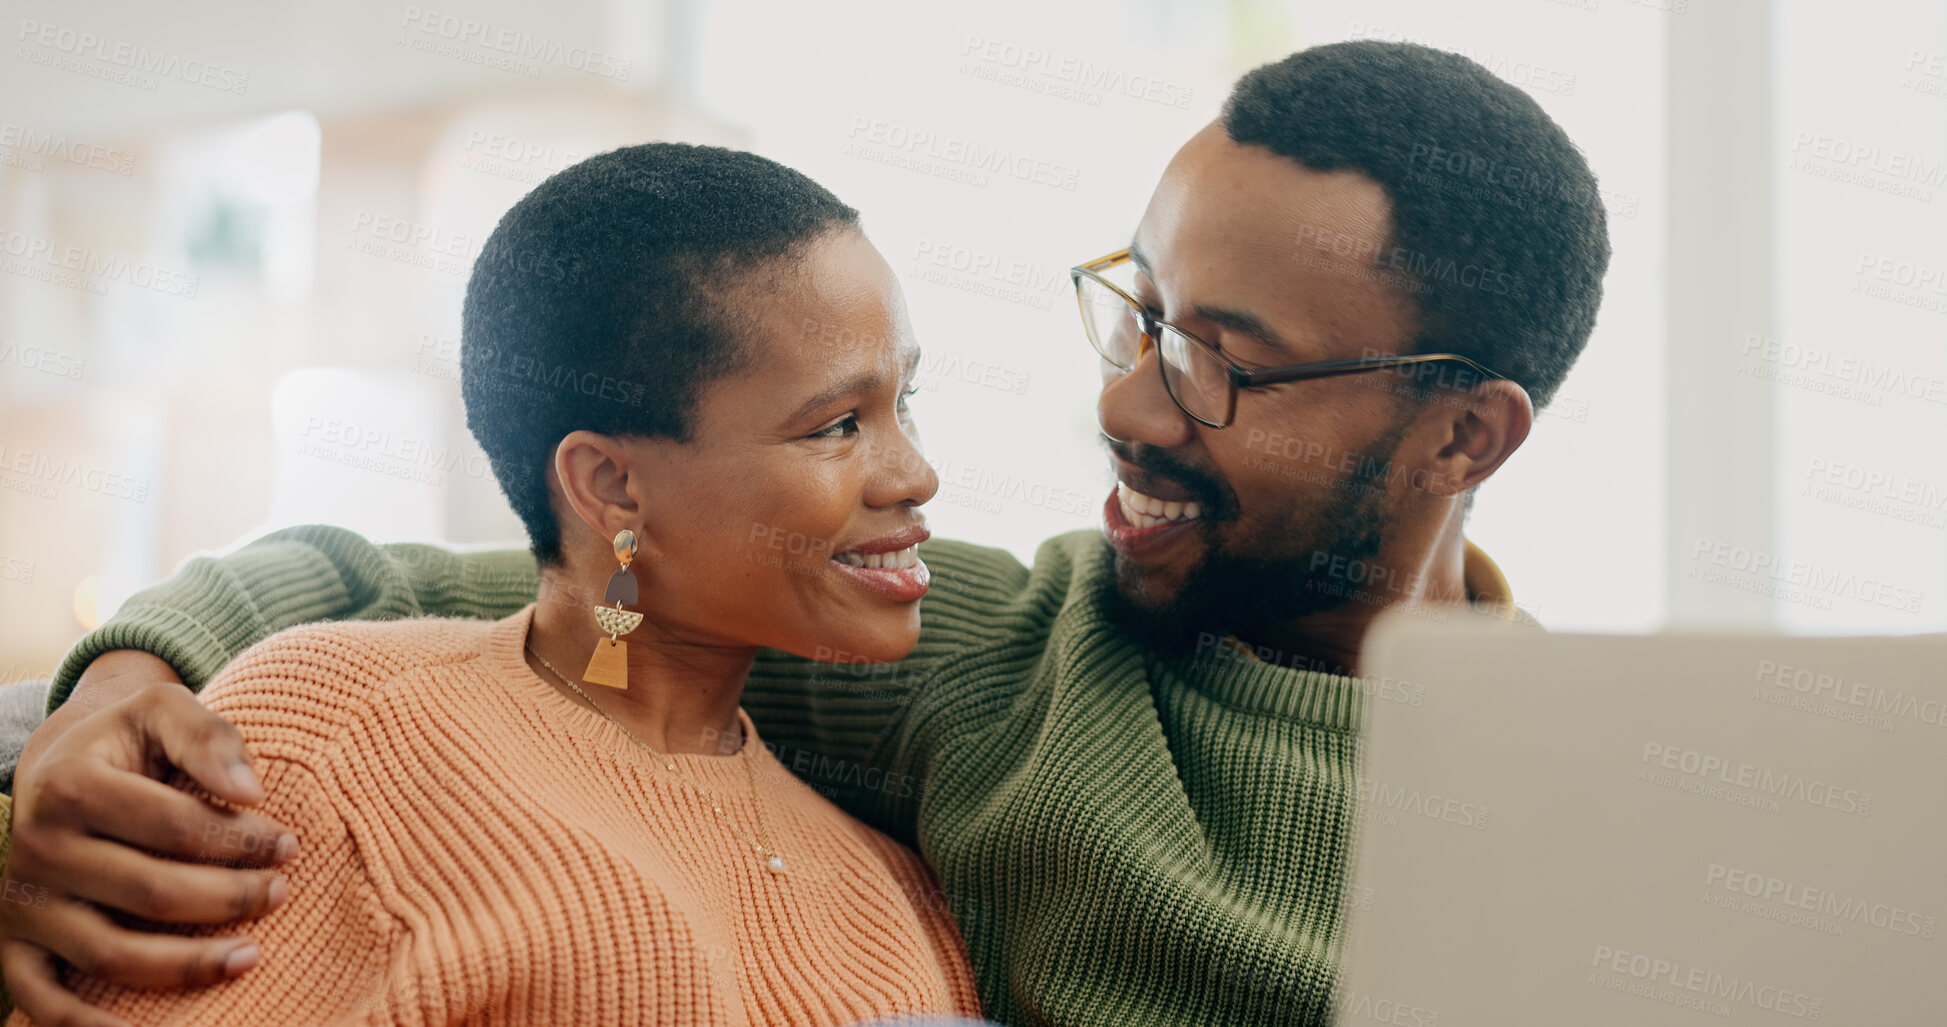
<point>1561,829</point>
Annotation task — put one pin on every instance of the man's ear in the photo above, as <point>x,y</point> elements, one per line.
<point>1484,427</point>
<point>601,484</point>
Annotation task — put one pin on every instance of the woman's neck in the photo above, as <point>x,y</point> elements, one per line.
<point>682,695</point>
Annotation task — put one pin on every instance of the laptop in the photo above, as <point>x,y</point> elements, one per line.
<point>1665,829</point>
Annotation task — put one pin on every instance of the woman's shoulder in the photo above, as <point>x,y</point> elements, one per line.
<point>318,678</point>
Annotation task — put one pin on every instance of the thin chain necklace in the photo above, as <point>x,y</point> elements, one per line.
<point>772,861</point>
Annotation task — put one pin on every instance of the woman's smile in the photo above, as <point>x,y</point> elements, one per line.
<point>889,565</point>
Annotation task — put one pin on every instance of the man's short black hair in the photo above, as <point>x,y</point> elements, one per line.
<point>1499,233</point>
<point>595,304</point>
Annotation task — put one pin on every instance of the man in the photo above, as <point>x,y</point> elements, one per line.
<point>1131,765</point>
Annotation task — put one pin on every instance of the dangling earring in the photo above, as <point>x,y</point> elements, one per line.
<point>610,664</point>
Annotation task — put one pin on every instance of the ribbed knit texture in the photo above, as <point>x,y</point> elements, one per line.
<point>479,848</point>
<point>1123,840</point>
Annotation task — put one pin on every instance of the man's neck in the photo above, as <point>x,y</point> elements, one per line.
<point>1411,577</point>
<point>683,694</point>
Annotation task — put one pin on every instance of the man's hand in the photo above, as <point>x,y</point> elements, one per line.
<point>96,832</point>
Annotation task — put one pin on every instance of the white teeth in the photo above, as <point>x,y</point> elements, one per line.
<point>1144,511</point>
<point>898,559</point>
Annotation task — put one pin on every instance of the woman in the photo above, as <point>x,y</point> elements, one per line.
<point>689,370</point>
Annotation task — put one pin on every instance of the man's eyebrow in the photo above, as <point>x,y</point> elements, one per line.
<point>855,385</point>
<point>1243,323</point>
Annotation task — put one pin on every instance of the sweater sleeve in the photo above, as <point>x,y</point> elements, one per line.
<point>216,607</point>
<point>338,950</point>
<point>330,954</point>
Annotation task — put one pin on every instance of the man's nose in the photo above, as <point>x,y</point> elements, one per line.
<point>1135,407</point>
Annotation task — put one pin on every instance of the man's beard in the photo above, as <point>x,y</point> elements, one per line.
<point>1230,593</point>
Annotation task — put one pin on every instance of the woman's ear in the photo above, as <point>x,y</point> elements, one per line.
<point>601,483</point>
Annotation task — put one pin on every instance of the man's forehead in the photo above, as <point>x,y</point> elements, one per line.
<point>1246,230</point>
<point>1224,203</point>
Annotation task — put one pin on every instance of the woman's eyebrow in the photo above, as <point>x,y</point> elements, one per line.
<point>858,383</point>
<point>849,387</point>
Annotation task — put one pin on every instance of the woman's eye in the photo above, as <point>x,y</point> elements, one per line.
<point>907,395</point>
<point>845,427</point>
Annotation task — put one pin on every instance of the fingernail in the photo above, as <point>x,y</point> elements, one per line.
<point>242,776</point>
<point>240,960</point>
<point>287,848</point>
<point>279,891</point>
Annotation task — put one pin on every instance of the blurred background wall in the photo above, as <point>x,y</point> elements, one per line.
<point>235,236</point>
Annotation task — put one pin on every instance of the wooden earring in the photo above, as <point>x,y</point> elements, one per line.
<point>610,664</point>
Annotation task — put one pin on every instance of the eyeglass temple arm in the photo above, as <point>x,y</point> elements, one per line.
<point>1101,264</point>
<point>1331,368</point>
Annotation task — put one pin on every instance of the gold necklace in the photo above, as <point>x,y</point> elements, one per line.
<point>772,861</point>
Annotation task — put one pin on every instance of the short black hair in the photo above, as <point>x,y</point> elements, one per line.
<point>595,304</point>
<point>1499,232</point>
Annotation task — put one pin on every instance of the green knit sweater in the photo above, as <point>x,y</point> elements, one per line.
<point>1123,840</point>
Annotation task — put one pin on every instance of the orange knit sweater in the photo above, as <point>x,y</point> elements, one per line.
<point>478,848</point>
